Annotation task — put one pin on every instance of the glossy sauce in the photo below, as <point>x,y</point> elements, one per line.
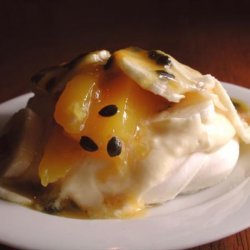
<point>77,114</point>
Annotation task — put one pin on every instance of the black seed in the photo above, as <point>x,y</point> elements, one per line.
<point>88,144</point>
<point>51,84</point>
<point>164,74</point>
<point>74,61</point>
<point>152,54</point>
<point>37,77</point>
<point>114,147</point>
<point>108,110</point>
<point>163,60</point>
<point>159,58</point>
<point>109,63</point>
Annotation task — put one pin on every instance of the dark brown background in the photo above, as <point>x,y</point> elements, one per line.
<point>211,36</point>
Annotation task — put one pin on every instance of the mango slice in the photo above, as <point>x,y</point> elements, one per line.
<point>103,116</point>
<point>61,154</point>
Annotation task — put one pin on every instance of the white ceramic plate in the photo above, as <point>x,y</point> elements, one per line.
<point>185,222</point>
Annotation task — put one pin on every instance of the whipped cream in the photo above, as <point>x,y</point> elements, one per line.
<point>192,147</point>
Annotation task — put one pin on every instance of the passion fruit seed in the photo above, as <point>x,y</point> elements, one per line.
<point>109,63</point>
<point>108,110</point>
<point>164,74</point>
<point>114,147</point>
<point>88,144</point>
<point>163,60</point>
<point>159,58</point>
<point>152,54</point>
<point>51,84</point>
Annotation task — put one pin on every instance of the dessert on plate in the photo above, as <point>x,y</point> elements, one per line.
<point>106,135</point>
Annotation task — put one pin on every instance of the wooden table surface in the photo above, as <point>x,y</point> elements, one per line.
<point>209,36</point>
